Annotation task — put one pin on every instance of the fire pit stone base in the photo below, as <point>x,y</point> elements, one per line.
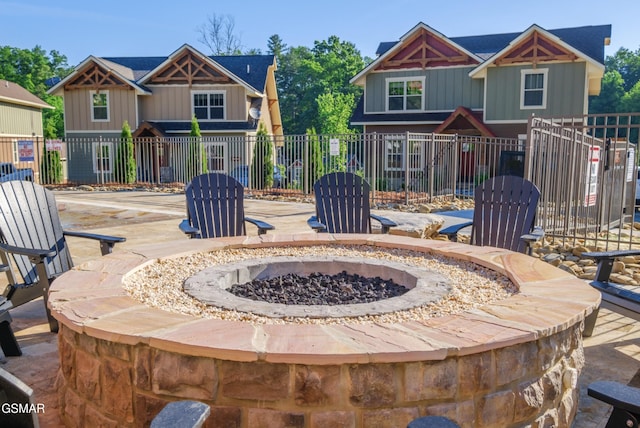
<point>512,363</point>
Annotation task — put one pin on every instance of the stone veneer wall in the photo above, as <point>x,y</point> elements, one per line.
<point>533,384</point>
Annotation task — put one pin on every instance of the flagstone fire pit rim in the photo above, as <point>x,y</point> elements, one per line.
<point>89,299</point>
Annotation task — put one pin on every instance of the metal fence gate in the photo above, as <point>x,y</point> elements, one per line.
<point>587,172</point>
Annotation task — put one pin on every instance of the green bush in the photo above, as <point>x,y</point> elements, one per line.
<point>262,165</point>
<point>51,167</point>
<point>125,167</point>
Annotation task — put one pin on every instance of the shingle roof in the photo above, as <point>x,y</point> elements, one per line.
<point>252,69</point>
<point>589,40</point>
<point>15,94</point>
<point>359,116</point>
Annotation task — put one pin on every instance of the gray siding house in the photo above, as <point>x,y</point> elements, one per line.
<point>486,85</point>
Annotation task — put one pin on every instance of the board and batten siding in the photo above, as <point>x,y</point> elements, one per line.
<point>566,84</point>
<point>173,102</point>
<point>77,110</point>
<point>20,120</point>
<point>446,89</point>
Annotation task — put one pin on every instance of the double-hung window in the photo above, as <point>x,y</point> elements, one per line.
<point>215,157</point>
<point>405,94</point>
<point>209,105</point>
<point>533,88</point>
<point>396,153</point>
<point>100,106</point>
<point>102,157</point>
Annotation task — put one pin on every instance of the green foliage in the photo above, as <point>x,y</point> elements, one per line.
<point>316,166</point>
<point>32,70</point>
<point>611,93</point>
<point>618,93</point>
<point>334,111</point>
<point>125,163</point>
<point>627,63</point>
<point>276,46</point>
<point>304,74</point>
<point>196,162</point>
<point>262,164</point>
<point>51,167</point>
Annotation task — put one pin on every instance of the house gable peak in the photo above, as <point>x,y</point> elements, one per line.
<point>424,47</point>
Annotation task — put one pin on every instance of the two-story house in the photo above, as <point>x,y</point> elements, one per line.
<point>21,127</point>
<point>158,96</point>
<point>486,85</point>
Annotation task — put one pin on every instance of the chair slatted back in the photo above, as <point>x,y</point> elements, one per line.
<point>505,209</point>
<point>215,205</point>
<point>29,219</point>
<point>342,203</point>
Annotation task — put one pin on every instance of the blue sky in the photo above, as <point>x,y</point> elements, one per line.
<point>78,29</point>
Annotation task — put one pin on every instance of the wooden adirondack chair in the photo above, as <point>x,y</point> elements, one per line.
<point>342,205</point>
<point>614,293</point>
<point>504,214</point>
<point>33,242</point>
<point>624,399</point>
<point>215,208</point>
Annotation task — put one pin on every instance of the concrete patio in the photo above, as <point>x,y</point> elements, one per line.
<point>612,353</point>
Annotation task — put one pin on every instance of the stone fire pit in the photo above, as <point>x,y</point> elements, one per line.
<point>511,362</point>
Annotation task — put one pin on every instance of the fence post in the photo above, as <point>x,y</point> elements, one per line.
<point>407,162</point>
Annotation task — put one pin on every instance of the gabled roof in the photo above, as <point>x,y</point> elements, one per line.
<point>123,73</point>
<point>588,39</point>
<point>13,93</point>
<point>392,49</point>
<point>247,70</point>
<point>478,71</point>
<point>464,115</point>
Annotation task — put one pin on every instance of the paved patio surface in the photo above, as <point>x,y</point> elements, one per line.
<point>612,353</point>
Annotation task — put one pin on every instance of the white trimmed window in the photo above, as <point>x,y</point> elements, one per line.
<point>99,106</point>
<point>208,105</point>
<point>395,154</point>
<point>405,94</point>
<point>393,159</point>
<point>102,153</point>
<point>215,157</point>
<point>533,88</point>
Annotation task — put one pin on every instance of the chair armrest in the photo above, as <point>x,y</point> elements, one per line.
<point>384,222</point>
<point>35,254</point>
<point>452,231</point>
<point>107,242</point>
<point>261,225</point>
<point>605,261</point>
<point>316,225</point>
<point>536,234</point>
<point>188,229</point>
<point>4,268</point>
<point>619,395</point>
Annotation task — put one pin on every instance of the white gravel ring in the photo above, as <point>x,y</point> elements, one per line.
<point>160,284</point>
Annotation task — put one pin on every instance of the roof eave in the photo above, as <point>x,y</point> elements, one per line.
<point>26,103</point>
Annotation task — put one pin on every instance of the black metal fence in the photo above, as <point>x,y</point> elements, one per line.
<point>585,167</point>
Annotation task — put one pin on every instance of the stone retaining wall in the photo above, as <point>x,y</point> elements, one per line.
<point>509,364</point>
<point>530,384</point>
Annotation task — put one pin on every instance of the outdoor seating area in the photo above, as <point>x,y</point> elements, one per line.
<point>620,359</point>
